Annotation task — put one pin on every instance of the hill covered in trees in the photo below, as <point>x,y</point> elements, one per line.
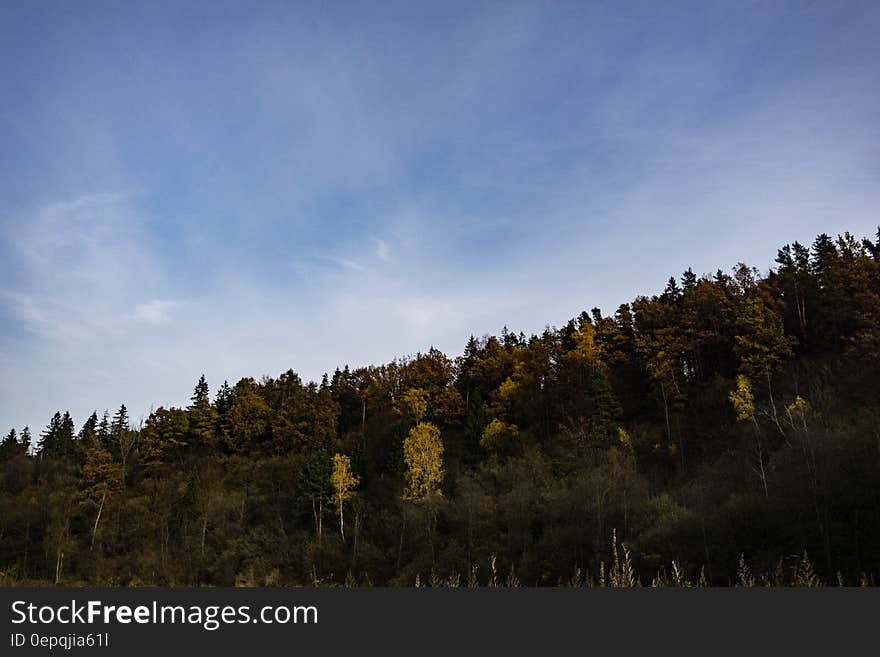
<point>720,430</point>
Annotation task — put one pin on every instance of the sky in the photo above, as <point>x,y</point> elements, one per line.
<point>237,189</point>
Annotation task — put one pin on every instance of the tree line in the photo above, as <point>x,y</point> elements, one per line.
<point>728,425</point>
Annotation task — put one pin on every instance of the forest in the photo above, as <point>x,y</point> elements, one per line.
<point>724,432</point>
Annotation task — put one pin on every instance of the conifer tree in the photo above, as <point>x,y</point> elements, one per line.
<point>202,417</point>
<point>105,439</point>
<point>26,439</point>
<point>315,486</point>
<point>200,394</point>
<point>122,438</point>
<point>10,446</point>
<point>56,441</point>
<point>223,398</point>
<point>88,435</point>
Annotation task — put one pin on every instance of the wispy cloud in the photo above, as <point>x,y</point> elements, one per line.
<point>156,311</point>
<point>329,189</point>
<point>383,250</point>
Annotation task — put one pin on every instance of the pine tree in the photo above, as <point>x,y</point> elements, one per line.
<point>314,485</point>
<point>796,288</point>
<point>202,417</point>
<point>9,447</point>
<point>688,280</point>
<point>223,398</point>
<point>672,293</point>
<point>200,394</point>
<point>26,439</point>
<point>122,438</point>
<point>56,441</point>
<point>825,268</point>
<point>105,439</point>
<point>88,436</point>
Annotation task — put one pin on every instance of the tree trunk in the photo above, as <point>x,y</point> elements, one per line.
<point>59,563</point>
<point>341,521</point>
<point>357,518</point>
<point>760,453</point>
<point>97,520</point>
<point>666,411</point>
<point>773,403</point>
<point>400,545</point>
<point>315,515</point>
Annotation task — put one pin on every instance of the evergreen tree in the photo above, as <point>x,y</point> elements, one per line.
<point>201,393</point>
<point>825,269</point>
<point>88,436</point>
<point>122,438</point>
<point>223,398</point>
<point>56,441</point>
<point>672,293</point>
<point>105,438</point>
<point>688,280</point>
<point>202,418</point>
<point>10,447</point>
<point>120,422</point>
<point>26,439</point>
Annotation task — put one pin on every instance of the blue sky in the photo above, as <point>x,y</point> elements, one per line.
<point>237,190</point>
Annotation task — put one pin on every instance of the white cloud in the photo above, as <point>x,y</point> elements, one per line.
<point>526,225</point>
<point>383,250</point>
<point>157,311</point>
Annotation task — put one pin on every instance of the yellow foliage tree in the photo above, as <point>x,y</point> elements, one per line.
<point>743,401</point>
<point>798,412</point>
<point>586,349</point>
<point>414,404</point>
<point>102,477</point>
<point>498,434</point>
<point>423,453</point>
<point>744,406</point>
<point>343,481</point>
<point>508,390</point>
<point>624,438</point>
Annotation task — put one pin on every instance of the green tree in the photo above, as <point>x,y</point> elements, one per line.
<point>57,439</point>
<point>10,446</point>
<point>26,439</point>
<point>104,437</point>
<point>88,435</point>
<point>202,418</point>
<point>122,438</point>
<point>315,486</point>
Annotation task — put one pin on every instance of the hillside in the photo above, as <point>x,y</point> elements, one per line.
<point>725,431</point>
